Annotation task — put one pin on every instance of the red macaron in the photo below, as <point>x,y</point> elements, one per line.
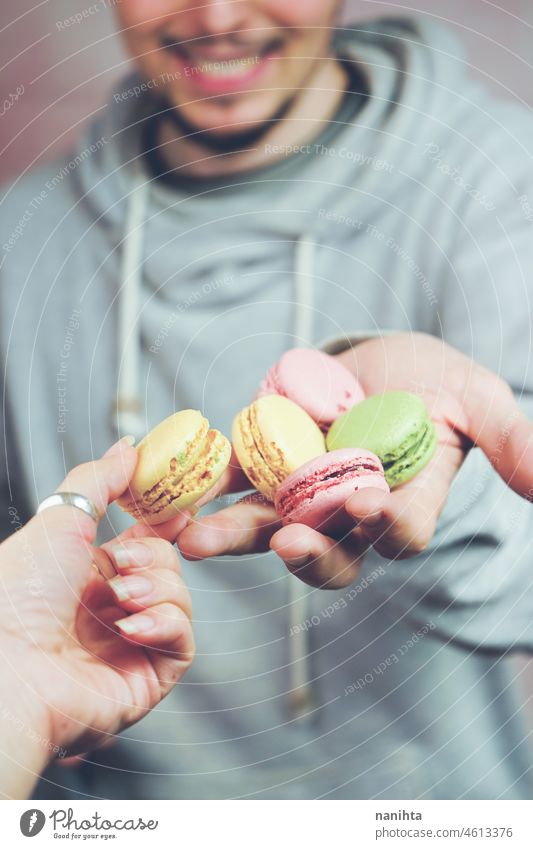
<point>315,494</point>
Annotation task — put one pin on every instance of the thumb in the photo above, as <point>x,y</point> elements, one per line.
<point>497,425</point>
<point>103,480</point>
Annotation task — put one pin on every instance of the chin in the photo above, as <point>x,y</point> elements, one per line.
<point>224,121</point>
<point>223,125</point>
<point>233,129</point>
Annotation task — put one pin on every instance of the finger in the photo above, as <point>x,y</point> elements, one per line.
<point>76,761</point>
<point>134,592</point>
<point>319,560</point>
<point>73,762</point>
<point>122,554</point>
<point>169,530</point>
<point>149,574</point>
<point>165,627</point>
<point>103,563</point>
<point>244,528</point>
<point>101,481</point>
<point>402,524</point>
<point>499,427</point>
<point>142,554</point>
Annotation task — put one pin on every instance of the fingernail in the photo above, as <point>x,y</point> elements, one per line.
<point>297,561</point>
<point>138,624</point>
<point>118,446</point>
<point>131,586</point>
<point>132,554</point>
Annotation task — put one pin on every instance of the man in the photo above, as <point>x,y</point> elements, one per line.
<point>268,181</point>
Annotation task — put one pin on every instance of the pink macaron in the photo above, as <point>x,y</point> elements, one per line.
<point>315,493</point>
<point>318,383</point>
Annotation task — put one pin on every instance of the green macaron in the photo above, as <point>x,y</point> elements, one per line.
<point>396,426</point>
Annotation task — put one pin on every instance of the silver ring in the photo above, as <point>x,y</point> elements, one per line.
<point>70,499</point>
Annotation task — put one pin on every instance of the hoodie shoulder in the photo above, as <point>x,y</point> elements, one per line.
<point>27,192</point>
<point>437,101</point>
<point>402,35</point>
<point>30,205</point>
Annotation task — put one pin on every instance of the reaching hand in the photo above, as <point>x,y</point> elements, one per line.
<point>89,651</point>
<point>469,406</point>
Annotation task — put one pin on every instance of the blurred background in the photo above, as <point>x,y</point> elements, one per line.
<point>63,77</point>
<point>67,73</point>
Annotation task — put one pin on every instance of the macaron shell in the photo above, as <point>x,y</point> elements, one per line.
<point>273,437</point>
<point>322,489</point>
<point>396,426</point>
<point>317,382</point>
<point>270,384</point>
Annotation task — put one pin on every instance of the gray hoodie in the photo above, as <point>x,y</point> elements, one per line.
<point>415,215</point>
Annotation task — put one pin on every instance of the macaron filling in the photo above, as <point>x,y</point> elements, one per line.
<point>307,488</point>
<point>260,470</point>
<point>411,456</point>
<point>180,464</point>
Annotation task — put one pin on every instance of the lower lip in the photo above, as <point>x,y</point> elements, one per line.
<point>210,84</point>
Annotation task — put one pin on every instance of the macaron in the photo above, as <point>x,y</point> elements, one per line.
<point>318,383</point>
<point>315,493</point>
<point>179,461</point>
<point>273,437</point>
<point>396,426</point>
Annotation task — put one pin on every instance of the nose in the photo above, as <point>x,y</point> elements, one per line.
<point>218,17</point>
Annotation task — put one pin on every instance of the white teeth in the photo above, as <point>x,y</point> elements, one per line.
<point>227,67</point>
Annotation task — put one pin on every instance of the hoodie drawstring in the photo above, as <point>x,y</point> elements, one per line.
<point>128,411</point>
<point>300,700</point>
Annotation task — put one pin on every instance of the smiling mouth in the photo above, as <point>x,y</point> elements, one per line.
<point>217,64</point>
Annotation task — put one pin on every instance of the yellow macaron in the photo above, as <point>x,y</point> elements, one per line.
<point>272,438</point>
<point>179,461</point>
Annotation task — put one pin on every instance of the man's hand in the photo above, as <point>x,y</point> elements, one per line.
<point>469,406</point>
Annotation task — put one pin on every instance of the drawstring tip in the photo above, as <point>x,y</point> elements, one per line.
<point>300,702</point>
<point>126,417</point>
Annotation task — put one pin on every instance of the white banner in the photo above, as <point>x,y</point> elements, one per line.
<point>268,824</point>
